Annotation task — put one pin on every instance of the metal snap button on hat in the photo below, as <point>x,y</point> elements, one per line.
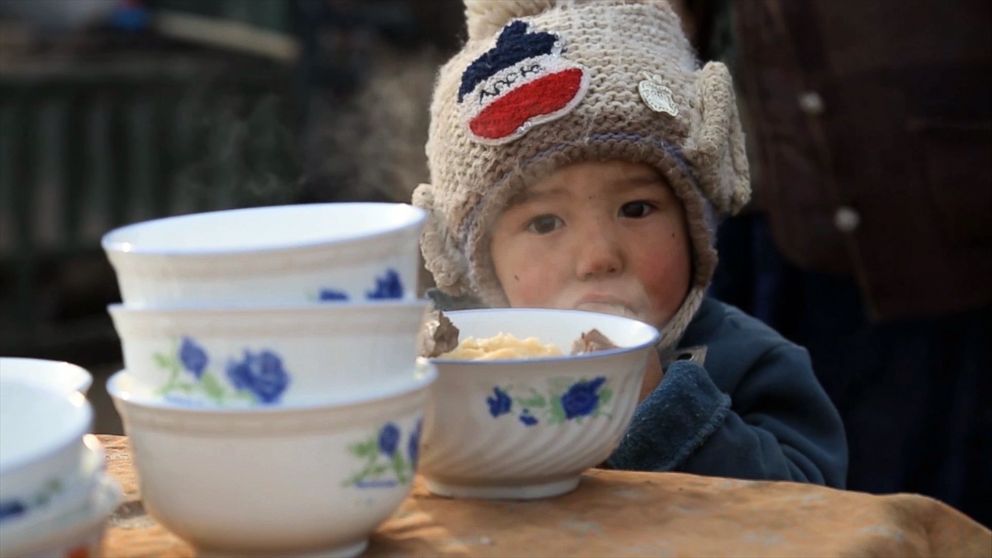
<point>657,96</point>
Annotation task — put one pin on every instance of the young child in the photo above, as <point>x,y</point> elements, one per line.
<point>578,157</point>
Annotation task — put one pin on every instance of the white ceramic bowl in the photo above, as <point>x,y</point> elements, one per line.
<point>243,357</point>
<point>61,375</point>
<point>269,255</point>
<point>41,443</point>
<point>62,502</point>
<point>276,481</point>
<point>70,535</point>
<point>527,428</point>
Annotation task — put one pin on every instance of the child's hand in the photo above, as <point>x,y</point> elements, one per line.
<point>653,374</point>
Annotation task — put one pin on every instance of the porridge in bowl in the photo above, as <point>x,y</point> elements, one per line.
<point>440,339</point>
<point>501,346</point>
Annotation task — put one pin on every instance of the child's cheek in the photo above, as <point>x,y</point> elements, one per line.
<point>529,278</point>
<point>527,286</point>
<point>665,279</point>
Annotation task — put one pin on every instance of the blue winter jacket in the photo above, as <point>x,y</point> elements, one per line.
<point>747,405</point>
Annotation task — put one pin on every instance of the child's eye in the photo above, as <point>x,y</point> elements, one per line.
<point>543,224</point>
<point>636,209</point>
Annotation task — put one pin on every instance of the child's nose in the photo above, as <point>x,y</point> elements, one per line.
<point>599,254</point>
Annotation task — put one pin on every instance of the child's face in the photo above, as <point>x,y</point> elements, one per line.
<point>604,236</point>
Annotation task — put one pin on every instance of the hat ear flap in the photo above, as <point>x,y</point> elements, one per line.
<point>717,151</point>
<point>441,257</point>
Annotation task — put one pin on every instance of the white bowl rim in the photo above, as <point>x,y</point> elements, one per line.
<point>422,379</point>
<point>82,379</point>
<point>111,241</point>
<point>84,421</point>
<point>327,307</point>
<point>596,355</point>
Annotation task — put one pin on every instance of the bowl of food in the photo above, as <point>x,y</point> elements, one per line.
<point>276,481</point>
<point>41,444</point>
<point>244,357</point>
<point>62,376</point>
<point>527,399</point>
<point>275,255</point>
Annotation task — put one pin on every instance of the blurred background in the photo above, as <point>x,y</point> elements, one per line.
<point>117,111</point>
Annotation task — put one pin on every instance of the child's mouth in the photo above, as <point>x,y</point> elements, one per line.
<point>615,308</point>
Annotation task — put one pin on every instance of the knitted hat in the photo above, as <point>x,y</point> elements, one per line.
<point>542,84</point>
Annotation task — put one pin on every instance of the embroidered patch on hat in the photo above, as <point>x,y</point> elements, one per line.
<point>657,96</point>
<point>521,82</point>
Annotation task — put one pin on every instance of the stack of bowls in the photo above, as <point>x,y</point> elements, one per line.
<point>271,392</point>
<point>55,497</point>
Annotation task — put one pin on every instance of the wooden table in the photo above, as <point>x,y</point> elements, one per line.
<point>620,513</point>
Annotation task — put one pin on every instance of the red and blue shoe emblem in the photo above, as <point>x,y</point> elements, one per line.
<point>521,82</point>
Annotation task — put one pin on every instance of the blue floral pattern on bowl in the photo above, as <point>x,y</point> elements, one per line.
<point>499,402</point>
<point>413,444</point>
<point>261,374</point>
<point>384,465</point>
<point>193,357</point>
<point>328,295</point>
<point>9,509</point>
<point>254,377</point>
<point>387,286</point>
<point>564,400</point>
